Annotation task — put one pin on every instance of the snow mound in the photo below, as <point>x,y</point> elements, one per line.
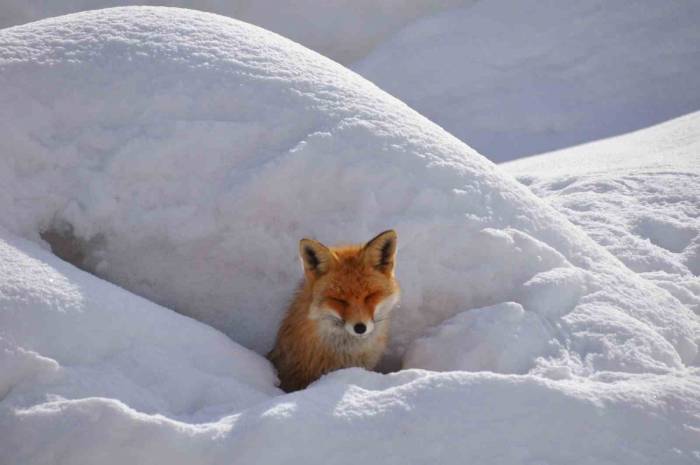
<point>517,78</point>
<point>412,416</point>
<point>344,30</point>
<point>184,163</point>
<point>503,338</point>
<point>66,334</point>
<point>637,194</point>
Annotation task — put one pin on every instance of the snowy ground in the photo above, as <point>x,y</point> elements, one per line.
<point>183,162</point>
<point>638,195</point>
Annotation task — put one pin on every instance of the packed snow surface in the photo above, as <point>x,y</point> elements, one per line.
<point>638,195</point>
<point>182,155</point>
<point>515,78</point>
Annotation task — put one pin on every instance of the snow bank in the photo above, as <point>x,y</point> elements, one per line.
<point>637,194</point>
<point>517,78</point>
<point>344,30</point>
<point>67,334</point>
<point>182,155</point>
<point>412,416</point>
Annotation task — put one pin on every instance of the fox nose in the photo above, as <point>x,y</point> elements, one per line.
<point>361,329</point>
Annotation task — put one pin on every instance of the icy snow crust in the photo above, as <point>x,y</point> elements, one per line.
<point>182,155</point>
<point>519,78</point>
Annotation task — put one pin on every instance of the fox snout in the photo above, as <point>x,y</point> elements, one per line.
<point>358,324</point>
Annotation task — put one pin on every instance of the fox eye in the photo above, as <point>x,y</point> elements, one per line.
<point>337,301</point>
<point>372,297</point>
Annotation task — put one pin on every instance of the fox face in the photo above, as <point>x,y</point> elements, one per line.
<point>353,288</point>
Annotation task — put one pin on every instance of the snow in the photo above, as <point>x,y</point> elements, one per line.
<point>519,78</point>
<point>181,156</point>
<point>68,334</point>
<point>503,338</point>
<point>413,416</point>
<point>514,78</point>
<point>637,194</point>
<point>344,30</point>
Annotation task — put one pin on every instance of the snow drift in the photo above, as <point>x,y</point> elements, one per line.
<point>412,416</point>
<point>637,194</point>
<point>344,30</point>
<point>182,155</point>
<point>84,337</point>
<point>518,78</point>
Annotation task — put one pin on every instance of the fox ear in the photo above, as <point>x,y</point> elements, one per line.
<point>380,252</point>
<point>316,257</point>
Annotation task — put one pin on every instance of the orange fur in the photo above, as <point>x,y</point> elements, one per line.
<point>343,287</point>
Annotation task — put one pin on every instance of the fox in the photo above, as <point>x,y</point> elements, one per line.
<point>339,316</point>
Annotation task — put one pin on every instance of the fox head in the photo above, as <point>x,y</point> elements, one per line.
<point>353,288</point>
